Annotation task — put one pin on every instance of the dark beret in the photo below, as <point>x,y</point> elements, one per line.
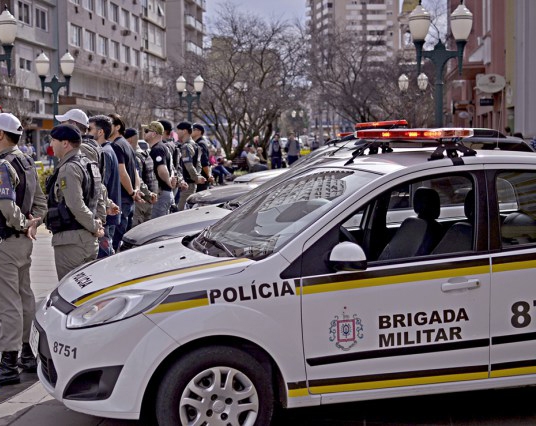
<point>130,132</point>
<point>166,124</point>
<point>199,127</point>
<point>184,125</point>
<point>66,132</point>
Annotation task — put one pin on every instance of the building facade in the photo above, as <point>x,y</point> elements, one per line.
<point>121,49</point>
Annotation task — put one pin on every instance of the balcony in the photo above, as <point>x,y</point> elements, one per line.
<point>194,48</point>
<point>189,21</point>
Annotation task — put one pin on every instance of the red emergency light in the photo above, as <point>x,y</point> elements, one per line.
<point>381,124</point>
<point>426,134</point>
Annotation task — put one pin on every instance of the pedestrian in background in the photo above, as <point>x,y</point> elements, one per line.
<point>148,183</point>
<point>130,181</point>
<point>275,151</point>
<point>22,205</point>
<point>292,149</point>
<point>73,192</point>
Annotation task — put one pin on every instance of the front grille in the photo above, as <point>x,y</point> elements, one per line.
<point>47,365</point>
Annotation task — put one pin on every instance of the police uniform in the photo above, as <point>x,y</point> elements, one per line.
<point>191,170</point>
<point>20,196</point>
<point>72,203</point>
<point>143,211</point>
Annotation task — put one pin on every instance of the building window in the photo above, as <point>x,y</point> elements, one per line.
<point>135,27</point>
<point>102,8</point>
<point>76,36</point>
<point>41,19</point>
<point>25,64</point>
<point>114,54</point>
<point>125,18</point>
<point>126,54</point>
<point>89,5</point>
<point>114,12</point>
<point>90,41</point>
<point>23,12</point>
<point>136,58</point>
<point>102,46</point>
<point>75,2</point>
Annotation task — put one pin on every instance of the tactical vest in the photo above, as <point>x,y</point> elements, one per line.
<point>59,217</point>
<point>147,170</point>
<point>25,190</point>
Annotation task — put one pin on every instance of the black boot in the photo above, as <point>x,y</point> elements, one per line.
<point>9,373</point>
<point>27,360</point>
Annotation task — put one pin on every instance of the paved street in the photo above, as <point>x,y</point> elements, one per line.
<point>28,403</point>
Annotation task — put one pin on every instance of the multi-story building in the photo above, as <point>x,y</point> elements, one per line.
<point>374,24</point>
<point>120,48</point>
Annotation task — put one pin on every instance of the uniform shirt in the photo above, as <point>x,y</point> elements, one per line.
<point>190,164</point>
<point>160,155</point>
<point>68,187</point>
<point>111,180</point>
<point>125,155</point>
<point>12,213</point>
<point>39,204</point>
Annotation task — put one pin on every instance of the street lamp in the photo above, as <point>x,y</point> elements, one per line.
<point>403,85</point>
<point>419,23</point>
<point>8,32</point>
<point>299,114</point>
<point>180,84</point>
<point>42,65</point>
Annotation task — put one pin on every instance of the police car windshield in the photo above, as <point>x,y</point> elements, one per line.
<point>265,224</point>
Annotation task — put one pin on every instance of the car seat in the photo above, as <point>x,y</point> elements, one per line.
<point>459,236</point>
<point>417,236</point>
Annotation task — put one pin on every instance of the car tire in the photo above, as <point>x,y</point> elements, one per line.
<point>197,388</point>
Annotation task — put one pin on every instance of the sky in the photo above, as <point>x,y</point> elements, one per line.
<point>285,9</point>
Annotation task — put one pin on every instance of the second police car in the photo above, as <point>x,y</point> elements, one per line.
<point>379,276</point>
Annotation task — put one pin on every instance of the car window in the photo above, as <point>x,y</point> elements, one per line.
<point>516,195</point>
<point>422,217</point>
<point>265,224</point>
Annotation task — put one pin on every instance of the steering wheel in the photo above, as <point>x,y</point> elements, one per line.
<point>347,235</point>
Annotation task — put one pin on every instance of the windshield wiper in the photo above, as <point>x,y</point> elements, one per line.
<point>219,245</point>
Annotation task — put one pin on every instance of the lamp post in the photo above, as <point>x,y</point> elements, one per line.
<point>8,32</point>
<point>419,23</point>
<point>299,114</point>
<point>42,65</point>
<point>180,84</point>
<point>403,85</point>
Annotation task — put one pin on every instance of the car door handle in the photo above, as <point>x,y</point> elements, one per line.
<point>463,285</point>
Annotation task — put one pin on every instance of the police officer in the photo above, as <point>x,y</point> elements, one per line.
<point>21,198</point>
<point>148,184</point>
<point>73,191</point>
<point>198,132</point>
<point>190,162</point>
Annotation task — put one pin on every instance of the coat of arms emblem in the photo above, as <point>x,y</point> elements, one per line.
<point>345,331</point>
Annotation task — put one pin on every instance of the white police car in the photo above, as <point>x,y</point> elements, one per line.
<point>382,276</point>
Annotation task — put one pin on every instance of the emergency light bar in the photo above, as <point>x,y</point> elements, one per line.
<point>420,134</point>
<point>381,124</point>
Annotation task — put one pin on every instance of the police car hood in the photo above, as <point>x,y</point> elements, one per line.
<point>158,265</point>
<point>175,224</point>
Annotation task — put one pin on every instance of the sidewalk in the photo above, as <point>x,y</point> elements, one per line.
<point>34,406</point>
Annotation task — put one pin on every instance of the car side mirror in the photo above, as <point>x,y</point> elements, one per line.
<point>347,256</point>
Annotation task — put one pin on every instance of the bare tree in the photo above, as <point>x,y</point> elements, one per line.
<point>252,71</point>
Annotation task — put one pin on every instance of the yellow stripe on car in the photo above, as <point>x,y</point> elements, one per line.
<point>157,276</point>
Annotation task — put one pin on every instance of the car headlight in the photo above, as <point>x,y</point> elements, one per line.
<point>114,307</point>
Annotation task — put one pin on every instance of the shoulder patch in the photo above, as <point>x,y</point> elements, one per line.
<point>159,158</point>
<point>63,183</point>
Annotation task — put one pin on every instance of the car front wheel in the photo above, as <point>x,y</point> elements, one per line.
<point>217,385</point>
